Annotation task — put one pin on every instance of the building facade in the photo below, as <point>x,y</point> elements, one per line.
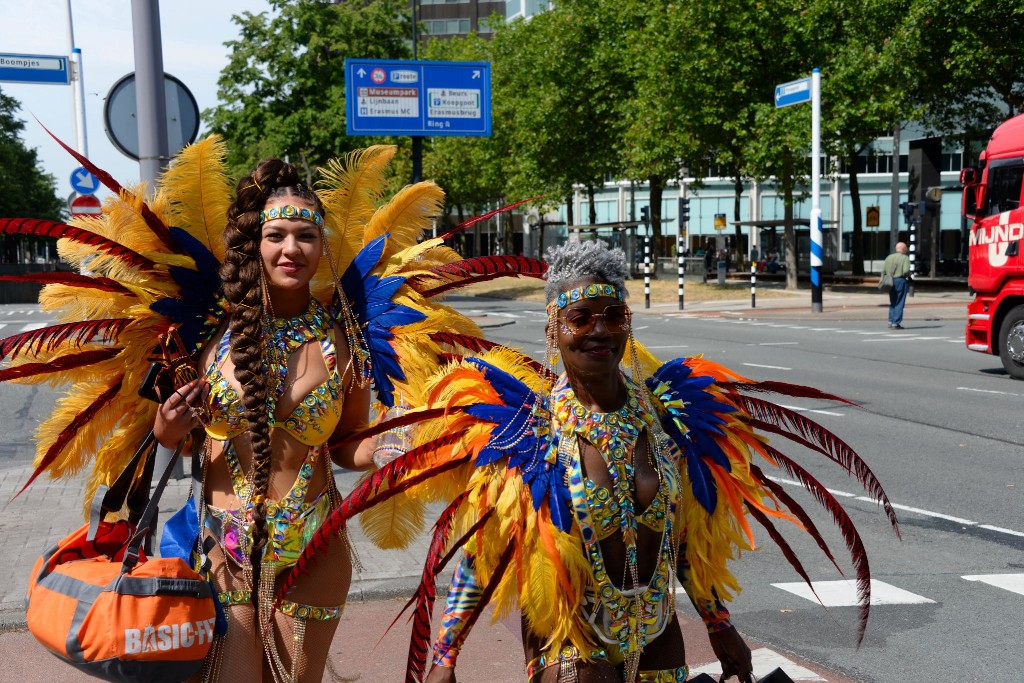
<point>448,18</point>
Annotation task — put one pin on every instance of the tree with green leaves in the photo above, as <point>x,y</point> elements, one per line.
<point>964,61</point>
<point>283,90</point>
<point>863,91</point>
<point>28,190</point>
<point>472,170</point>
<point>557,103</point>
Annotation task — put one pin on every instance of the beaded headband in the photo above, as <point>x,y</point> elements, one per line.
<point>289,211</point>
<point>591,291</point>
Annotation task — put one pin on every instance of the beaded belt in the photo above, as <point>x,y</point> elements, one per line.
<point>568,653</point>
<point>664,675</point>
<point>292,609</point>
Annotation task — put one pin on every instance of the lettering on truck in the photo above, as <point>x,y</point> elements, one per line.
<point>168,636</point>
<point>997,238</point>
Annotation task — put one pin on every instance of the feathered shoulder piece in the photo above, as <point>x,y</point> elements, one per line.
<point>139,270</point>
<point>714,417</point>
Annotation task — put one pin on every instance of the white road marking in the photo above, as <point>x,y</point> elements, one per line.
<point>870,333</point>
<point>843,593</point>
<point>3,325</point>
<point>894,338</point>
<point>770,367</point>
<point>32,326</point>
<point>926,513</point>
<point>811,410</point>
<point>777,343</point>
<point>1001,530</point>
<point>908,508</point>
<point>1010,582</point>
<point>988,391</point>
<point>824,329</point>
<point>765,661</point>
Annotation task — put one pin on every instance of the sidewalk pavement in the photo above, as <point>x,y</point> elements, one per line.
<point>51,509</point>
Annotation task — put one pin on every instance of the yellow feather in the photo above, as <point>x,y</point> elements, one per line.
<point>85,442</point>
<point>198,192</point>
<point>406,216</point>
<point>394,523</point>
<point>350,191</point>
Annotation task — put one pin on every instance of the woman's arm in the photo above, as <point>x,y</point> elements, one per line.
<point>463,597</point>
<point>357,455</point>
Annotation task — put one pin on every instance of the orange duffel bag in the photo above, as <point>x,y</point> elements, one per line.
<point>97,602</point>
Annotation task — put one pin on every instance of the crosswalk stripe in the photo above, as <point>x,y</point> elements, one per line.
<point>843,593</point>
<point>765,661</point>
<point>32,326</point>
<point>1010,582</point>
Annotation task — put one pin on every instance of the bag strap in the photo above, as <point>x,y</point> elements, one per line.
<point>131,553</point>
<point>112,498</point>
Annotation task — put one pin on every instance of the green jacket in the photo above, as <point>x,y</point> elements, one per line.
<point>897,264</point>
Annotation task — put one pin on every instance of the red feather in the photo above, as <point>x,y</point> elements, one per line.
<point>854,544</point>
<point>797,510</point>
<point>72,279</point>
<point>426,594</point>
<point>467,341</point>
<point>473,221</point>
<point>44,228</point>
<point>774,418</point>
<point>69,432</point>
<point>784,546</point>
<point>65,362</point>
<point>49,337</point>
<point>479,269</point>
<point>355,502</point>
<point>785,389</point>
<point>411,417</point>
<point>154,223</point>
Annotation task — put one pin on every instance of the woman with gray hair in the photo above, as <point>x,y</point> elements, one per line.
<point>587,495</point>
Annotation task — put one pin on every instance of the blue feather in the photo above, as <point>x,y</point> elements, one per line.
<point>197,288</point>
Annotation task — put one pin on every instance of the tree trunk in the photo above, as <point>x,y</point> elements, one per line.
<point>569,220</point>
<point>657,185</point>
<point>789,234</point>
<point>857,239</point>
<point>591,191</point>
<point>737,195</point>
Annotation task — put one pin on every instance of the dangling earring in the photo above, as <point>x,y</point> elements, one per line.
<point>551,354</point>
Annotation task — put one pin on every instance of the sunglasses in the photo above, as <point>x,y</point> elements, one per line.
<point>617,318</point>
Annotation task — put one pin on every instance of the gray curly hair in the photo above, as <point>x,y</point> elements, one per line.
<point>573,261</point>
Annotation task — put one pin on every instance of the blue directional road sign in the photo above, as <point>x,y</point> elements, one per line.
<point>34,69</point>
<point>84,182</point>
<point>417,98</point>
<point>793,92</point>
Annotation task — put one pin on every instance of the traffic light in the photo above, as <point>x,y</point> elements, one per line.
<point>684,210</point>
<point>645,214</point>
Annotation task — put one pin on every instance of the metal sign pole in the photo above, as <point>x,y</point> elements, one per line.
<point>645,211</point>
<point>816,238</point>
<point>150,97</point>
<point>77,88</point>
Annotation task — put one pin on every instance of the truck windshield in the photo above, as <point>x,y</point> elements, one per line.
<point>1004,187</point>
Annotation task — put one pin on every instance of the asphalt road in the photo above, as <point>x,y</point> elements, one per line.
<point>940,426</point>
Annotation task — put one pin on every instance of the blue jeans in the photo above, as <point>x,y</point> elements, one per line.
<point>897,297</point>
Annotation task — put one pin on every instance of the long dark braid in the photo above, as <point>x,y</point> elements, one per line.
<point>242,274</point>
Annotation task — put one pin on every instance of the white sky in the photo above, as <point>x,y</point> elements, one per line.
<point>193,36</point>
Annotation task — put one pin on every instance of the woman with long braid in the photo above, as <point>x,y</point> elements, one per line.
<point>280,380</point>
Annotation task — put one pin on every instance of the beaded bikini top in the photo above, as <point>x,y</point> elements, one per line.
<point>615,436</point>
<point>314,418</point>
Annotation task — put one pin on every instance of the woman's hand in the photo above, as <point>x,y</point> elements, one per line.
<point>441,674</point>
<point>733,653</point>
<point>175,417</point>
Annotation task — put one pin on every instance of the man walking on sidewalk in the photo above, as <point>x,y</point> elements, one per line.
<point>897,264</point>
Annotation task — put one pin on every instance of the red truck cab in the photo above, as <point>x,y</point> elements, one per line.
<point>992,201</point>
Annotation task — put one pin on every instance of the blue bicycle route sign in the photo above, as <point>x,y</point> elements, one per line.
<point>50,69</point>
<point>417,98</point>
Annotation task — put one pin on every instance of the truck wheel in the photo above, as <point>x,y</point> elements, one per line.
<point>1011,342</point>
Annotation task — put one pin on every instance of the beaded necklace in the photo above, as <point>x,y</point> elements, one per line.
<point>286,336</point>
<point>631,617</point>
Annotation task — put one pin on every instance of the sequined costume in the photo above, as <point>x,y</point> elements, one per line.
<point>142,270</point>
<point>293,519</point>
<point>498,444</point>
